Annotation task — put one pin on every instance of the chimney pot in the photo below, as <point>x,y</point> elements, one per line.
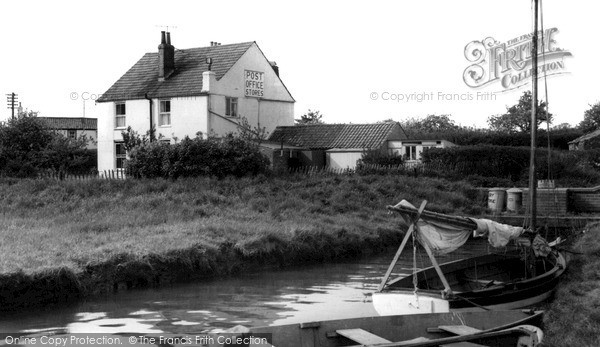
<point>166,57</point>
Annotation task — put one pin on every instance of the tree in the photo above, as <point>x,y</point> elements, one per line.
<point>435,123</point>
<point>311,117</point>
<point>250,133</point>
<point>27,146</point>
<point>518,117</point>
<point>591,118</point>
<point>132,138</point>
<point>562,126</point>
<point>430,124</point>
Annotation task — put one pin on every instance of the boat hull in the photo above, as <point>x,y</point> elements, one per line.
<point>504,294</point>
<point>400,328</point>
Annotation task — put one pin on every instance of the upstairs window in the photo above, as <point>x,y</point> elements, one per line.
<point>164,114</point>
<point>72,134</point>
<point>120,115</point>
<point>231,107</point>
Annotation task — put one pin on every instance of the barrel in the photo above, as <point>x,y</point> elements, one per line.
<point>514,199</point>
<point>496,199</point>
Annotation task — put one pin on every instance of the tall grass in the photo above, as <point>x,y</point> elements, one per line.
<point>107,235</point>
<point>573,318</point>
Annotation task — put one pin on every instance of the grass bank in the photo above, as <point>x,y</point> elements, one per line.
<point>573,318</point>
<point>65,240</point>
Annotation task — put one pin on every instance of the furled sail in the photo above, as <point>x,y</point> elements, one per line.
<point>444,233</point>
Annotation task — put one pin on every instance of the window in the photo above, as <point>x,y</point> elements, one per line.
<point>72,134</point>
<point>120,115</point>
<point>164,114</point>
<point>231,109</point>
<point>120,155</point>
<point>411,152</point>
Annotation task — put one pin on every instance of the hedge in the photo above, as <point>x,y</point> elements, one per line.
<point>570,167</point>
<point>229,156</point>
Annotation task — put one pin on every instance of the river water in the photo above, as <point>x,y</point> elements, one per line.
<point>309,293</point>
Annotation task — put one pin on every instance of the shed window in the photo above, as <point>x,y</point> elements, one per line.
<point>411,152</point>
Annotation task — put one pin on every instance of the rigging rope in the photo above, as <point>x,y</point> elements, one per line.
<point>415,282</point>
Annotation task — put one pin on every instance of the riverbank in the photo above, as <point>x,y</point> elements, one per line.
<point>573,317</point>
<point>67,240</point>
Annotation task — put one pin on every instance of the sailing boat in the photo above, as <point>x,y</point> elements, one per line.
<point>514,279</point>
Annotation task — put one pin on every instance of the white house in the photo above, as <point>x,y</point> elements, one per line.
<point>182,92</point>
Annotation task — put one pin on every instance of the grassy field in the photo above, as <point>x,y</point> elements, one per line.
<point>77,238</point>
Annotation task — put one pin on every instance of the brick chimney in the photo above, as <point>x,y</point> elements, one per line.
<point>275,67</point>
<point>166,57</point>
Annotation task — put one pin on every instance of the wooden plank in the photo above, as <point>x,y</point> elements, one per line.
<point>413,341</point>
<point>362,336</point>
<point>462,344</point>
<point>459,329</point>
<point>401,248</point>
<point>445,341</point>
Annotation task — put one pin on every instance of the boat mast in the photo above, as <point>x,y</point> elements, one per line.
<point>534,102</point>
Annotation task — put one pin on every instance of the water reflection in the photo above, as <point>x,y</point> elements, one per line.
<point>276,297</point>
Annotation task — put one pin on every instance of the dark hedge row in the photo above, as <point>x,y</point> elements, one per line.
<point>559,138</point>
<point>229,156</point>
<point>575,167</point>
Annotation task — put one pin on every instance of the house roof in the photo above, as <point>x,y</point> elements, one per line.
<point>186,80</point>
<point>586,136</point>
<point>70,123</point>
<point>327,136</point>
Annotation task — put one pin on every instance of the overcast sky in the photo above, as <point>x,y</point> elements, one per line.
<point>334,56</point>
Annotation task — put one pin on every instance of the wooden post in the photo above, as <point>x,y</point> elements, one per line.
<point>402,245</point>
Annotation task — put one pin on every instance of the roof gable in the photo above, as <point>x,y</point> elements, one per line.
<point>186,80</point>
<point>326,136</point>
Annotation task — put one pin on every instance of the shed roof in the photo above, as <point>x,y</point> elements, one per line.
<point>327,136</point>
<point>70,123</point>
<point>587,136</point>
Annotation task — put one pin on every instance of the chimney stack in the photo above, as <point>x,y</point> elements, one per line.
<point>166,57</point>
<point>275,67</point>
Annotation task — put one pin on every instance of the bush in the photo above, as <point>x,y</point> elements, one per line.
<point>229,156</point>
<point>377,157</point>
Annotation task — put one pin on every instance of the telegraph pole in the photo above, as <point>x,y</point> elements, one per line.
<point>12,101</point>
